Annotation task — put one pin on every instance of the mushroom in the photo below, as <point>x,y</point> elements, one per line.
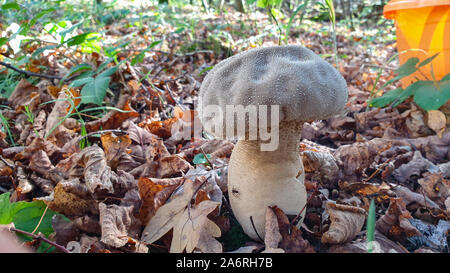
<point>302,87</point>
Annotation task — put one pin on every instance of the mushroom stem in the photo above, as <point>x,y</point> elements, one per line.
<point>258,179</point>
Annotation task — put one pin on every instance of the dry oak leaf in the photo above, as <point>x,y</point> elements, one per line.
<point>346,223</point>
<point>192,225</point>
<point>154,193</point>
<point>117,224</point>
<point>292,240</point>
<point>168,214</point>
<point>395,222</point>
<point>273,236</point>
<point>436,121</point>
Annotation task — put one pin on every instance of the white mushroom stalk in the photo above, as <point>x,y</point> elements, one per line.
<point>304,88</point>
<point>258,179</point>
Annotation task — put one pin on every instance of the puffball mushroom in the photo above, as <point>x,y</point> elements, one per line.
<point>305,88</point>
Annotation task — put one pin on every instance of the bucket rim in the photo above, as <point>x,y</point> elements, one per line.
<point>394,5</point>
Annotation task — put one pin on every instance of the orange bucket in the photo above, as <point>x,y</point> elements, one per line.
<point>422,24</point>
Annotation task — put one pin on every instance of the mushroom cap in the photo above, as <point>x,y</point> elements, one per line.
<point>305,86</point>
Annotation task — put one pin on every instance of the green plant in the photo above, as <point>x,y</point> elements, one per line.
<point>427,94</point>
<point>370,227</point>
<point>33,217</point>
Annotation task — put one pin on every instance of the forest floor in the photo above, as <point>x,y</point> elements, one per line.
<point>105,168</point>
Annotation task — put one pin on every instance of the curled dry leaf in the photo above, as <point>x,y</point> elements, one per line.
<point>140,135</point>
<point>324,163</point>
<point>414,168</point>
<point>115,147</point>
<point>292,240</point>
<point>24,94</point>
<point>436,121</point>
<point>355,158</point>
<point>55,122</point>
<point>346,223</point>
<point>68,203</point>
<point>117,224</point>
<point>394,223</point>
<point>436,187</point>
<point>409,197</point>
<point>272,235</point>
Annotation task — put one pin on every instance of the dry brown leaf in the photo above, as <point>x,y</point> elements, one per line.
<point>68,203</point>
<point>40,163</point>
<point>346,223</point>
<point>436,187</point>
<point>355,158</point>
<point>24,94</point>
<point>409,197</point>
<point>436,121</point>
<point>117,224</point>
<point>140,135</point>
<point>413,169</point>
<point>394,223</point>
<point>292,240</point>
<point>55,118</point>
<point>192,225</point>
<point>272,235</point>
<point>115,147</point>
<point>114,119</point>
<point>154,193</point>
<point>98,176</point>
<point>167,216</point>
<point>322,162</point>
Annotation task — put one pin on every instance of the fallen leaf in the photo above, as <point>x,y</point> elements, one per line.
<point>117,224</point>
<point>292,240</point>
<point>436,121</point>
<point>394,223</point>
<point>272,235</point>
<point>346,223</point>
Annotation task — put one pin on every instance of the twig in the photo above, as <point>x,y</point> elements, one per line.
<point>32,74</point>
<point>29,73</point>
<point>41,238</point>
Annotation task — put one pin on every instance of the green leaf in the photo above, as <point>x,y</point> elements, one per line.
<point>428,97</point>
<point>428,60</point>
<point>3,40</point>
<point>200,159</point>
<point>140,57</point>
<point>404,70</point>
<point>82,81</point>
<point>108,72</point>
<point>77,40</point>
<point>95,90</point>
<point>5,209</point>
<point>386,99</point>
<point>11,5</point>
